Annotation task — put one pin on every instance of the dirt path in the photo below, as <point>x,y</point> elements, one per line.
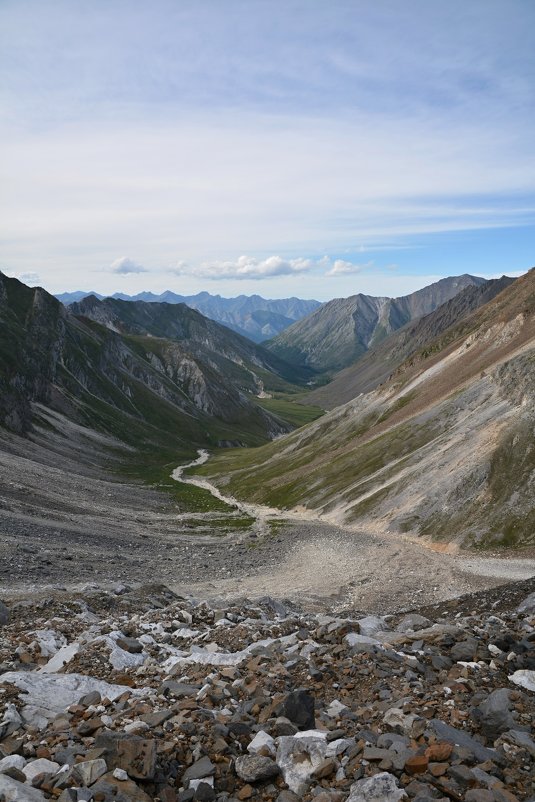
<point>313,559</point>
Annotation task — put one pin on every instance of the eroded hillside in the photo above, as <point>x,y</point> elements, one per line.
<point>445,450</point>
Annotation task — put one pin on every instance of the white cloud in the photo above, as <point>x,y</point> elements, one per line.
<point>32,279</point>
<point>246,267</point>
<point>343,268</point>
<point>125,266</point>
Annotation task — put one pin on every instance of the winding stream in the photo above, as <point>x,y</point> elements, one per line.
<point>260,513</point>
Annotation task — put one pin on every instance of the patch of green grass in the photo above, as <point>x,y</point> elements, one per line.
<point>290,411</point>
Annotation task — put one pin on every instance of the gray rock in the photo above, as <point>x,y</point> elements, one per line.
<point>129,645</point>
<point>447,733</point>
<point>381,787</point>
<point>518,738</point>
<point>493,715</point>
<point>201,768</point>
<point>298,707</point>
<point>135,755</point>
<point>464,651</point>
<point>371,625</point>
<point>14,791</point>
<point>89,771</point>
<point>528,605</point>
<point>54,693</point>
<point>40,766</point>
<point>12,762</point>
<point>254,768</point>
<point>412,623</point>
<point>4,614</point>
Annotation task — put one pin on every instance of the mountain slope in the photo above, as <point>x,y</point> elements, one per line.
<point>444,450</point>
<point>342,330</point>
<point>233,354</point>
<point>375,367</point>
<point>249,315</point>
<point>148,391</point>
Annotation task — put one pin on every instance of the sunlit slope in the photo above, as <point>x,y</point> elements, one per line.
<point>444,450</point>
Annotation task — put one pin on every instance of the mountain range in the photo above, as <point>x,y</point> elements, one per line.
<point>152,375</point>
<point>252,316</point>
<point>442,450</point>
<point>342,330</point>
<point>429,432</point>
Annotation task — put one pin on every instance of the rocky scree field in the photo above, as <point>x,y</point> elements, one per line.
<point>118,695</point>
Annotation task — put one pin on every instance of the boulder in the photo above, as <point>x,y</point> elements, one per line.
<point>254,768</point>
<point>493,715</point>
<point>298,707</point>
<point>298,758</point>
<point>381,787</point>
<point>14,791</point>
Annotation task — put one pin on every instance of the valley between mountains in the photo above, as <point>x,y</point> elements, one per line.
<point>417,483</point>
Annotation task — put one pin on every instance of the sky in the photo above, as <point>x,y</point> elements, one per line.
<point>278,147</point>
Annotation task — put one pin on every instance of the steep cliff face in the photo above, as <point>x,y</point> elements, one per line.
<point>119,381</point>
<point>342,330</point>
<point>31,342</point>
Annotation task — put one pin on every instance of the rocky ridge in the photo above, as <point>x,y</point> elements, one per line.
<point>121,694</point>
<point>342,330</point>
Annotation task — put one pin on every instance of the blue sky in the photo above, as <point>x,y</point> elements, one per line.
<point>280,147</point>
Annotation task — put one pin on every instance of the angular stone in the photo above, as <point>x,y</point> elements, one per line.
<point>129,645</point>
<point>135,755</point>
<point>298,758</point>
<point>447,733</point>
<point>40,766</point>
<point>14,791</point>
<point>381,787</point>
<point>88,771</point>
<point>524,678</point>
<point>493,715</point>
<point>200,769</point>
<point>527,606</point>
<point>118,790</point>
<point>298,707</point>
<point>254,768</point>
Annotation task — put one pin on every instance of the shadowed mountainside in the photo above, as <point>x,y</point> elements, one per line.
<point>147,390</point>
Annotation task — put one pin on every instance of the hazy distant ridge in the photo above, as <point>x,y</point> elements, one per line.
<point>252,316</point>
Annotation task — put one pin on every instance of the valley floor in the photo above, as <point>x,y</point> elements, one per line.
<point>64,522</point>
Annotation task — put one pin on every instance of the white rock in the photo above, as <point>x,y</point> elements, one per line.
<point>54,693</point>
<point>60,659</point>
<point>40,766</point>
<point>528,605</point>
<point>13,791</point>
<point>136,726</point>
<point>262,740</point>
<point>382,787</point>
<point>335,708</point>
<point>297,758</point>
<point>49,641</point>
<point>371,625</point>
<point>396,718</point>
<point>88,771</point>
<point>524,678</point>
<point>335,748</point>
<point>120,774</point>
<point>12,762</point>
<point>195,783</point>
